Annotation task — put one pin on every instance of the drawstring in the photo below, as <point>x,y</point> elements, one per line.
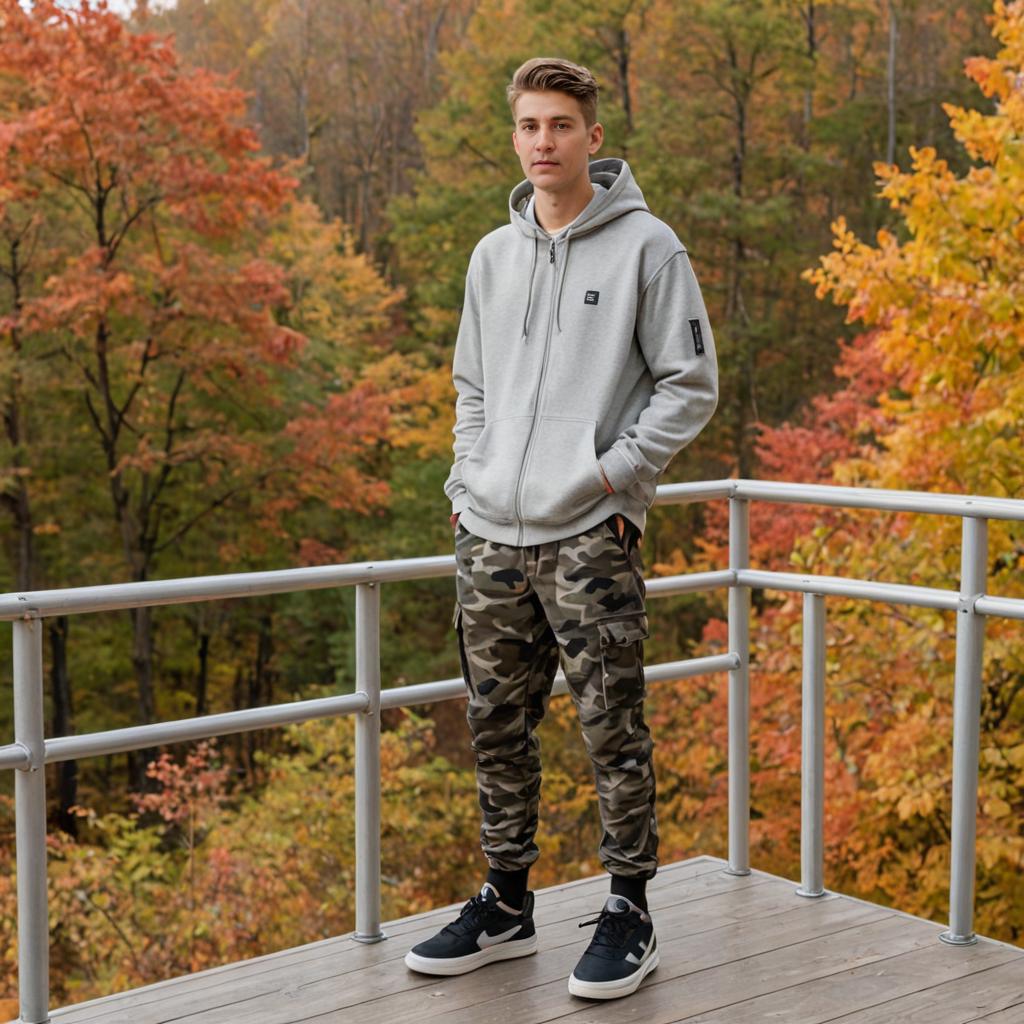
<point>561,278</point>
<point>558,294</point>
<point>529,291</point>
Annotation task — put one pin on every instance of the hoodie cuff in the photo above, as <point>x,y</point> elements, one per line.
<point>619,472</point>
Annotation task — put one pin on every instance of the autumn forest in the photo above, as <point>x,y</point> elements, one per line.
<point>233,244</point>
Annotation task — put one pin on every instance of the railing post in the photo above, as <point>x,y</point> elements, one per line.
<point>30,819</point>
<point>367,767</point>
<point>970,638</point>
<point>812,754</point>
<point>739,692</point>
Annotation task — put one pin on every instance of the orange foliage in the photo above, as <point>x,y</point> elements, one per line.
<point>934,401</point>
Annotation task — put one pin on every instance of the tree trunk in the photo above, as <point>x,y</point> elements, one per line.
<point>258,685</point>
<point>890,74</point>
<point>17,499</point>
<point>202,676</point>
<point>63,723</point>
<point>736,311</point>
<point>622,61</point>
<point>812,54</point>
<point>142,662</point>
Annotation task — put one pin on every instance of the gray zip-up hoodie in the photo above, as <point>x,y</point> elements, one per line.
<point>570,362</point>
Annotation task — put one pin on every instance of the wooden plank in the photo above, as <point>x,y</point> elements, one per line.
<point>386,999</point>
<point>996,990</point>
<point>1011,1015</point>
<point>819,989</point>
<point>736,948</point>
<point>343,944</point>
<point>552,966</point>
<point>825,998</point>
<point>701,973</point>
<point>323,992</point>
<point>272,972</point>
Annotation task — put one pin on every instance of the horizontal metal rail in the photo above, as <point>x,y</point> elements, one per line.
<point>833,495</point>
<point>40,604</point>
<point>114,596</point>
<point>139,737</point>
<point>31,751</point>
<point>837,586</point>
<point>881,500</point>
<point>1003,607</point>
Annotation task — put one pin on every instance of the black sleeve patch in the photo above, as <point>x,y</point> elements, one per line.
<point>698,341</point>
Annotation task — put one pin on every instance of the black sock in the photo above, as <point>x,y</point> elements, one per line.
<point>511,885</point>
<point>634,889</point>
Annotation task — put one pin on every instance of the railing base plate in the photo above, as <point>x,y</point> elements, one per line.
<point>801,891</point>
<point>958,940</point>
<point>369,940</point>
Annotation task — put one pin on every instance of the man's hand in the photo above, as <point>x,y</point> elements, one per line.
<point>454,519</point>
<point>620,523</point>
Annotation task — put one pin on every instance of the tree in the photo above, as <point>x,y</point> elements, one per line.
<point>160,288</point>
<point>933,403</point>
<point>336,85</point>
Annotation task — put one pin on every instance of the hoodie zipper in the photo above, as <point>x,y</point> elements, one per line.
<point>536,400</point>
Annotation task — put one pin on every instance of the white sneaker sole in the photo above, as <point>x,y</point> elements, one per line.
<point>613,989</point>
<point>461,964</point>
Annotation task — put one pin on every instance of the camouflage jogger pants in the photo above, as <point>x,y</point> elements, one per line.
<point>517,610</point>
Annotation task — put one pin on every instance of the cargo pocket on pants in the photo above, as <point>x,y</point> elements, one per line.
<point>622,660</point>
<point>463,660</point>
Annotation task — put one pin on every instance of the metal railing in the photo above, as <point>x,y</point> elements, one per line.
<point>31,750</point>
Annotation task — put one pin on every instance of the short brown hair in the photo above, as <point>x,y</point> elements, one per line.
<point>540,73</point>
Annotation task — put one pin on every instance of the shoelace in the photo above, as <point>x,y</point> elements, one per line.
<point>612,929</point>
<point>475,908</point>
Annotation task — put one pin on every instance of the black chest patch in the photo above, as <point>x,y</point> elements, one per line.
<point>698,340</point>
<point>590,299</point>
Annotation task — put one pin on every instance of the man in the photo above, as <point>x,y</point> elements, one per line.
<point>584,362</point>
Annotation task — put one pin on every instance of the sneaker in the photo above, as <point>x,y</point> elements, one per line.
<point>485,930</point>
<point>621,954</point>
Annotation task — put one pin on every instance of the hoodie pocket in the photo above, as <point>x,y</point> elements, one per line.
<point>563,478</point>
<point>491,469</point>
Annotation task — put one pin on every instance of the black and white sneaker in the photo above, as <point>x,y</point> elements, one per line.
<point>485,930</point>
<point>621,954</point>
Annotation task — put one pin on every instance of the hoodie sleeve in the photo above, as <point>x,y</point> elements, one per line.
<point>468,377</point>
<point>679,348</point>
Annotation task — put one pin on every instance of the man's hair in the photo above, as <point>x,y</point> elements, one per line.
<point>540,73</point>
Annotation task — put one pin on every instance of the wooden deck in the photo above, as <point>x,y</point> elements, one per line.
<point>734,950</point>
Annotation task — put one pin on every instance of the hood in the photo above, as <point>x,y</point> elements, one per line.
<point>620,195</point>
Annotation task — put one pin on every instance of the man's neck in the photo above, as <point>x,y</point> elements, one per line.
<point>554,210</point>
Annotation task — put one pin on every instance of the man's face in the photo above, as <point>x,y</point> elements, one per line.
<point>551,139</point>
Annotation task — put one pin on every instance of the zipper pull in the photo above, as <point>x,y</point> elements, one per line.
<point>551,256</point>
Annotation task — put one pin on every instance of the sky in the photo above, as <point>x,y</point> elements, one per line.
<point>121,7</point>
